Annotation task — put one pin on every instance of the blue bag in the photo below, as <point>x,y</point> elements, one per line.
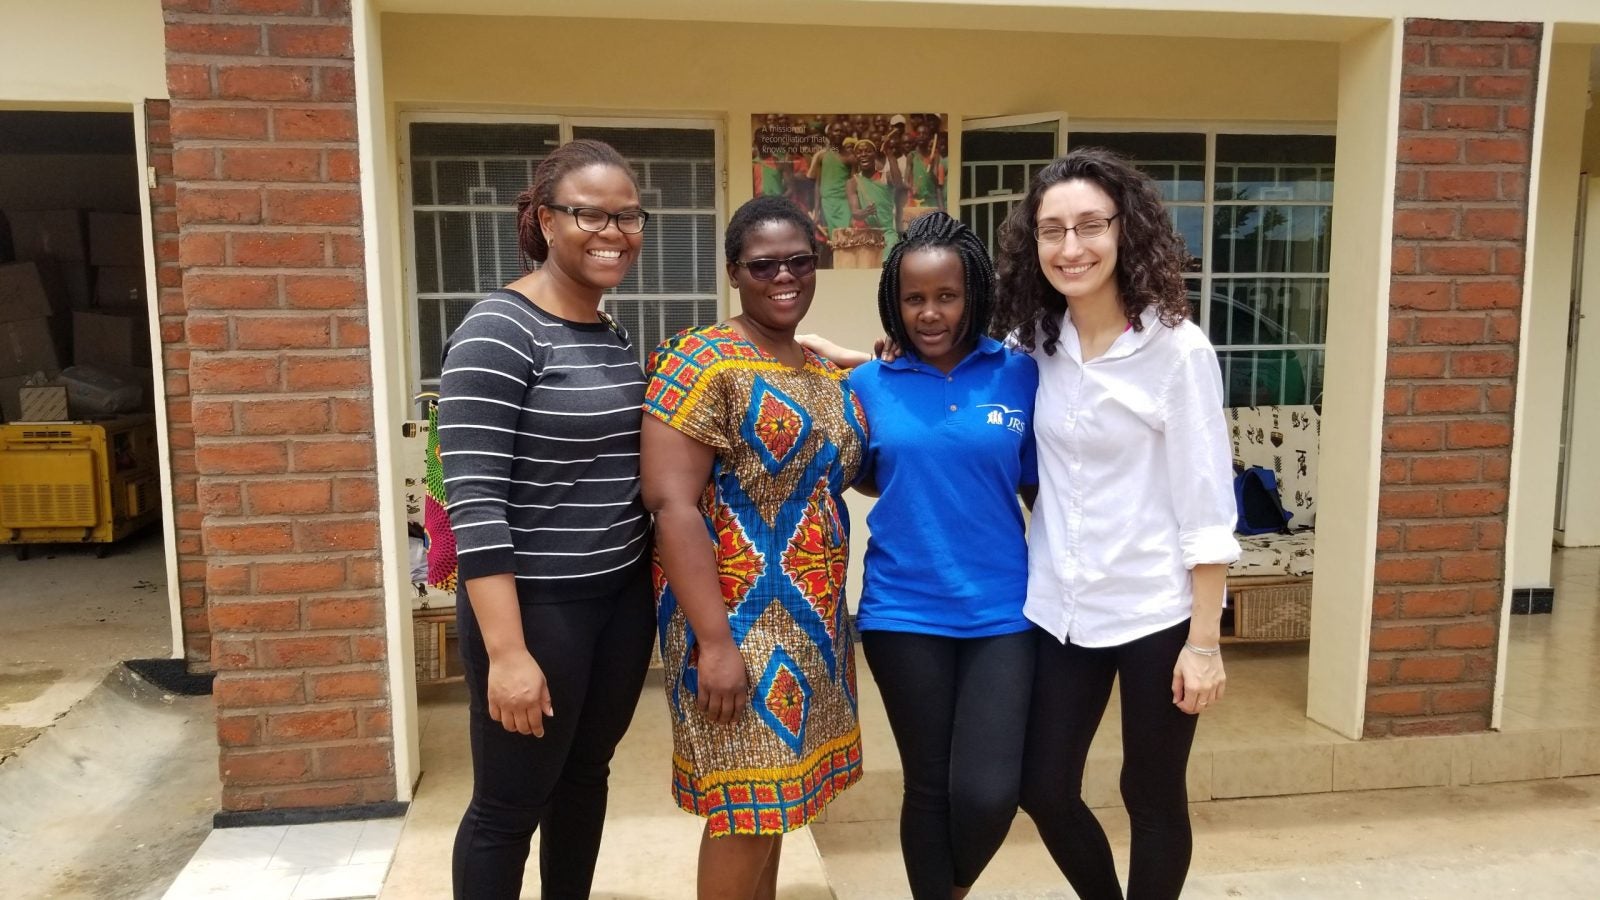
<point>1255,492</point>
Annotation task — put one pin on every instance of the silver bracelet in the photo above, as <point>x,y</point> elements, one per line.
<point>1200,651</point>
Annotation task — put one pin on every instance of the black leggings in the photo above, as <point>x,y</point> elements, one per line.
<point>1070,690</point>
<point>959,709</point>
<point>594,654</point>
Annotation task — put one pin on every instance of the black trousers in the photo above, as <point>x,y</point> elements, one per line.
<point>1071,687</point>
<point>594,654</point>
<point>959,709</point>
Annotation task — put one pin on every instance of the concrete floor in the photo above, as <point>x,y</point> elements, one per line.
<point>1449,833</point>
<point>1528,839</point>
<point>107,785</point>
<point>69,618</point>
<point>113,798</point>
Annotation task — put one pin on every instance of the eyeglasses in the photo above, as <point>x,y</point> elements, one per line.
<point>1087,230</point>
<point>592,218</point>
<point>799,265</point>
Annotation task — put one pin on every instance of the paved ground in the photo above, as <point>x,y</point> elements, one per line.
<point>1538,839</point>
<point>106,784</point>
<point>68,618</point>
<point>112,799</point>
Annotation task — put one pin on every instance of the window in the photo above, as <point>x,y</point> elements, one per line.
<point>997,164</point>
<point>1256,213</point>
<point>464,180</point>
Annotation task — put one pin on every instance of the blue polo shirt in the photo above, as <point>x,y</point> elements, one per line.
<point>947,555</point>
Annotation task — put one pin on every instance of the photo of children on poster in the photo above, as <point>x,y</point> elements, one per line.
<point>862,177</point>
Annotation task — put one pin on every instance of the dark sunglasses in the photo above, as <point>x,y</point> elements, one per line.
<point>799,265</point>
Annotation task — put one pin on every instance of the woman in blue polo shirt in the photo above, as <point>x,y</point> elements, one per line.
<point>950,447</point>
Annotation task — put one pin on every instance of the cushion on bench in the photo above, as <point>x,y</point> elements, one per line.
<point>1275,555</point>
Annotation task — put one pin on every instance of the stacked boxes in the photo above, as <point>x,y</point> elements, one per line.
<point>27,346</point>
<point>75,293</point>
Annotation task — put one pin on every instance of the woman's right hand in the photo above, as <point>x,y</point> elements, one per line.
<point>724,685</point>
<point>519,697</point>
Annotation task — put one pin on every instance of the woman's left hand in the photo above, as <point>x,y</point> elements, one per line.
<point>1197,681</point>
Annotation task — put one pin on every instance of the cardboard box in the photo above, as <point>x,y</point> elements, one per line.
<point>47,234</point>
<point>68,283</point>
<point>115,239</point>
<point>101,338</point>
<point>22,294</point>
<point>27,347</point>
<point>119,287</point>
<point>43,403</point>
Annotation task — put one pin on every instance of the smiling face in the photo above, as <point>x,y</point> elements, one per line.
<point>779,305</point>
<point>596,261</point>
<point>1078,268</point>
<point>933,298</point>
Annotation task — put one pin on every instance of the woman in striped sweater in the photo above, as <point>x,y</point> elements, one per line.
<point>539,436</point>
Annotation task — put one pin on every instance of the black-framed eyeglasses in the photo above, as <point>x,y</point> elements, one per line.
<point>1087,230</point>
<point>799,265</point>
<point>595,219</point>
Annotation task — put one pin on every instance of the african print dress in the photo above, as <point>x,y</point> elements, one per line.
<point>788,442</point>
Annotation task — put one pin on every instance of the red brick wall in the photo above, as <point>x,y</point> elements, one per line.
<point>1455,303</point>
<point>269,215</point>
<point>175,360</point>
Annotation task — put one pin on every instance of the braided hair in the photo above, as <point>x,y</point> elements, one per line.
<point>562,161</point>
<point>938,230</point>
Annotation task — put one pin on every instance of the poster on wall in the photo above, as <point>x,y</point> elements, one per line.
<point>861,177</point>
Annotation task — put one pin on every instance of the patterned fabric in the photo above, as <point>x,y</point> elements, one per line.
<point>435,521</point>
<point>1280,555</point>
<point>788,442</point>
<point>1283,439</point>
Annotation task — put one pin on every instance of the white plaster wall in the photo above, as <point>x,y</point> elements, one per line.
<point>1358,321</point>
<point>1543,356</point>
<point>1583,477</point>
<point>81,53</point>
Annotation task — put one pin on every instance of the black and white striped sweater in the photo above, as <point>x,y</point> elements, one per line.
<point>539,436</point>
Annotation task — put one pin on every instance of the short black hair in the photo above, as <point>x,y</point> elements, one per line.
<point>760,211</point>
<point>937,230</point>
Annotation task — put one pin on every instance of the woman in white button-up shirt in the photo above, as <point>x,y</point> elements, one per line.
<point>1133,529</point>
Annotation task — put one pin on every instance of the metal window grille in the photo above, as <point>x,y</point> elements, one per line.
<point>464,181</point>
<point>1256,212</point>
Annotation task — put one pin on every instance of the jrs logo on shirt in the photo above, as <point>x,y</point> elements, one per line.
<point>1005,416</point>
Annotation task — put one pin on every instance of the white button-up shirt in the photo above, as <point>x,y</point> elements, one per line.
<point>1135,483</point>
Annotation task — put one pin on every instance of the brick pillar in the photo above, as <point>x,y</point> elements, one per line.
<point>274,311</point>
<point>175,361</point>
<point>1455,302</point>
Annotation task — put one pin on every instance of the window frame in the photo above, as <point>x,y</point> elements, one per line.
<point>1207,274</point>
<point>565,122</point>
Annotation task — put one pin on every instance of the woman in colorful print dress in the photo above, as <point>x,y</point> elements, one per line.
<point>748,443</point>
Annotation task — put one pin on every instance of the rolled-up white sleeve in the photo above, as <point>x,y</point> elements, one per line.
<point>1200,459</point>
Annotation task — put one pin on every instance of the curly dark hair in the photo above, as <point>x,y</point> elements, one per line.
<point>760,211</point>
<point>1151,256</point>
<point>939,230</point>
<point>562,161</point>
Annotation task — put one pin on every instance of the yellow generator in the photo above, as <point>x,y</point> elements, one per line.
<point>77,482</point>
